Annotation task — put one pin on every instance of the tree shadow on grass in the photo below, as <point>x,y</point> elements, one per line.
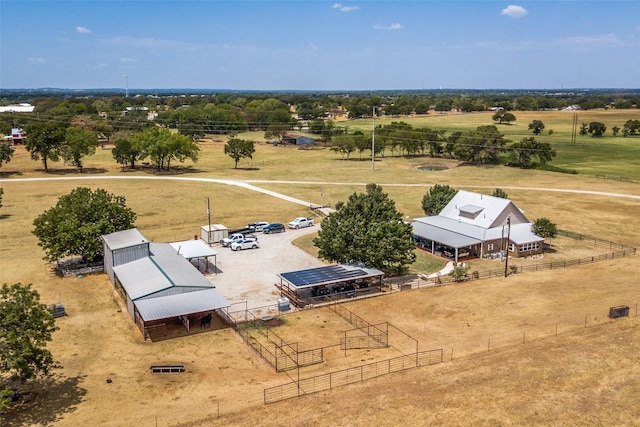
<point>45,402</point>
<point>74,171</point>
<point>7,174</point>
<point>153,170</point>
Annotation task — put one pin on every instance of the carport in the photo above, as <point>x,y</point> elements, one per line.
<point>329,283</point>
<point>198,250</point>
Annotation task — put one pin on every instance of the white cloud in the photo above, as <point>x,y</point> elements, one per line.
<point>148,43</point>
<point>36,60</point>
<point>391,27</point>
<point>342,8</point>
<point>514,11</point>
<point>605,39</point>
<point>83,30</point>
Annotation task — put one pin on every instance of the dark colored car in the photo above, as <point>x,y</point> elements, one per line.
<point>273,228</point>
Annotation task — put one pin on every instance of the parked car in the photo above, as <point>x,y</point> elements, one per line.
<point>276,227</point>
<point>319,291</point>
<point>246,243</point>
<point>234,238</point>
<point>257,226</point>
<point>301,222</point>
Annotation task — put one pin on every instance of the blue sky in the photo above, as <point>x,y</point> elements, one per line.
<point>320,45</point>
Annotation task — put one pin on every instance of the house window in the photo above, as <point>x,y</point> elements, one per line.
<point>490,247</point>
<point>529,247</point>
<point>512,247</point>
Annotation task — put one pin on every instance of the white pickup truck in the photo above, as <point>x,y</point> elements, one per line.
<point>301,222</point>
<point>246,243</point>
<point>227,241</point>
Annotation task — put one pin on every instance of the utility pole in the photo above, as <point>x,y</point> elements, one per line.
<point>373,139</point>
<point>506,260</point>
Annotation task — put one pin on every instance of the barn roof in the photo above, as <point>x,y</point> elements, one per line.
<point>180,305</point>
<point>162,274</point>
<point>124,239</point>
<point>481,210</point>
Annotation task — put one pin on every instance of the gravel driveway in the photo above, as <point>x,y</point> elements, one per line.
<point>250,275</point>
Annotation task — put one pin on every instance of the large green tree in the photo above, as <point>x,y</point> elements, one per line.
<point>78,144</point>
<point>597,129</point>
<point>26,326</point>
<point>502,116</point>
<point>544,228</point>
<point>74,226</point>
<point>239,149</point>
<point>536,126</point>
<point>523,153</point>
<point>44,141</point>
<point>126,152</point>
<point>163,146</point>
<point>437,198</point>
<point>6,152</point>
<point>367,229</point>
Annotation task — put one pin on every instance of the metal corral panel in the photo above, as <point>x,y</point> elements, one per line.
<point>180,305</point>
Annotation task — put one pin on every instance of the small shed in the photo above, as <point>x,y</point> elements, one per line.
<point>298,140</point>
<point>213,233</point>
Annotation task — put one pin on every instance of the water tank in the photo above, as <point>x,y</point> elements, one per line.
<point>283,304</point>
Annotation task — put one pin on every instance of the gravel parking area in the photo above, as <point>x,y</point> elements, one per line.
<point>249,275</point>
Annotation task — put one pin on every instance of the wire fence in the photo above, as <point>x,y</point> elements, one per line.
<point>431,281</point>
<point>351,375</point>
<point>418,359</point>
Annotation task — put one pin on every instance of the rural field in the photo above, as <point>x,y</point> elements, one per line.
<point>529,349</point>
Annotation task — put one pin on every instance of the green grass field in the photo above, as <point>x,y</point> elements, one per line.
<point>607,155</point>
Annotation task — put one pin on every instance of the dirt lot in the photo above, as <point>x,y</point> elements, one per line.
<point>250,275</point>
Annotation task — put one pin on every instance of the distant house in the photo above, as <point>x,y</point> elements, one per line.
<point>475,225</point>
<point>17,108</point>
<point>17,135</point>
<point>297,139</point>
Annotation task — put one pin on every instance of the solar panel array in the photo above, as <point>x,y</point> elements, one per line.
<point>318,275</point>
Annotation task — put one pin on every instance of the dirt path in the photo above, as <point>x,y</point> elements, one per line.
<point>248,185</point>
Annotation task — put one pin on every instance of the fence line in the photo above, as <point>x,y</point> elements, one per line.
<point>351,375</point>
<point>596,241</point>
<point>422,358</point>
<point>478,275</point>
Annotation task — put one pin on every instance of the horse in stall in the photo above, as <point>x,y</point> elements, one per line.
<point>205,322</point>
